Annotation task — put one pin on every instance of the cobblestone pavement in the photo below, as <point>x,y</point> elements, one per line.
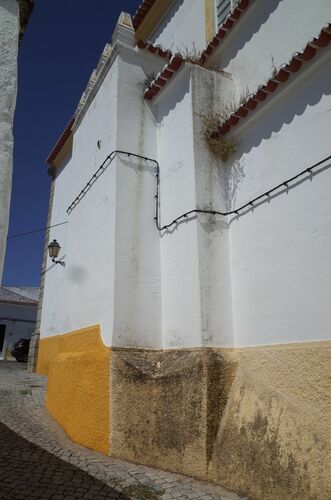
<point>22,410</point>
<point>28,471</point>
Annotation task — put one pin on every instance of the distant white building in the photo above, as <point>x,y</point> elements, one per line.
<point>14,15</point>
<point>190,328</point>
<point>18,312</point>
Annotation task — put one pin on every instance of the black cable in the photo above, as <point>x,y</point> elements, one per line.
<point>236,211</point>
<point>242,207</point>
<point>36,230</point>
<point>101,169</point>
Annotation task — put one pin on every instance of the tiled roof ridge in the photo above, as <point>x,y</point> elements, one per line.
<point>154,49</point>
<point>296,63</point>
<point>142,12</point>
<point>177,59</point>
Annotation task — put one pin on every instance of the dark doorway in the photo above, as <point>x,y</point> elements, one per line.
<point>2,336</point>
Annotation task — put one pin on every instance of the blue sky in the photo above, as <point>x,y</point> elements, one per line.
<point>61,47</point>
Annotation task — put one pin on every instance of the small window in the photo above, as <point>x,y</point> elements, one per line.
<point>223,9</point>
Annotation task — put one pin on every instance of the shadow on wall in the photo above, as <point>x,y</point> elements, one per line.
<point>285,190</point>
<point>177,95</point>
<point>230,179</point>
<point>272,121</point>
<point>298,99</point>
<point>173,11</point>
<point>248,29</point>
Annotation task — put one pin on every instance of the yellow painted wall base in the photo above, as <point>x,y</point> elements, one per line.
<point>78,368</point>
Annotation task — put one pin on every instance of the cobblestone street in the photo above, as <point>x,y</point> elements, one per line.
<point>37,460</point>
<point>27,471</point>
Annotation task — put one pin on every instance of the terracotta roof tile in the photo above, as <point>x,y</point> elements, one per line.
<point>142,12</point>
<point>154,49</point>
<point>177,60</point>
<point>61,141</point>
<point>264,91</point>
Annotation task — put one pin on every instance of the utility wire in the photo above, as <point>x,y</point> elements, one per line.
<point>236,211</point>
<point>36,230</point>
<point>183,216</point>
<point>105,164</point>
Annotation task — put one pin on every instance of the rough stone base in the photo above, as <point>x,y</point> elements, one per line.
<point>254,420</point>
<point>165,407</point>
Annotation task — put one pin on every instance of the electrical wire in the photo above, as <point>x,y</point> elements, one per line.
<point>249,204</point>
<point>36,230</point>
<point>105,164</point>
<point>236,211</point>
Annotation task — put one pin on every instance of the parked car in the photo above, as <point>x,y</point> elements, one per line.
<point>20,350</point>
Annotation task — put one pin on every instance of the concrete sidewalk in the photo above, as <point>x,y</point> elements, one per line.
<point>22,410</point>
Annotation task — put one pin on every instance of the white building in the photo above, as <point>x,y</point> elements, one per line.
<point>190,327</point>
<point>18,311</point>
<point>14,15</point>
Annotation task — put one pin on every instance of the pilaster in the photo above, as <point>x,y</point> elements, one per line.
<point>34,344</point>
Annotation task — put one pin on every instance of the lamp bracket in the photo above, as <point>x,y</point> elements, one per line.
<point>63,264</point>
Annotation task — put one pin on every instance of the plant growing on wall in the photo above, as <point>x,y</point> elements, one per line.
<point>147,82</point>
<point>191,55</point>
<point>211,124</point>
<point>216,144</point>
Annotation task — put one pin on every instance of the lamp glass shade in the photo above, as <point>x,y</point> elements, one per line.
<point>54,249</point>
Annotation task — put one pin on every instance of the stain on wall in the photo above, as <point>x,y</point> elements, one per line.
<point>273,440</point>
<point>255,420</point>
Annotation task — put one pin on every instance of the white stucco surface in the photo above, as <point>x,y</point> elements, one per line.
<point>181,316</point>
<point>111,245</point>
<point>266,37</point>
<point>280,258</point>
<point>183,27</point>
<point>261,278</point>
<point>9,31</point>
<point>87,281</point>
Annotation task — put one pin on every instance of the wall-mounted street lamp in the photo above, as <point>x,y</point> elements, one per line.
<point>54,250</point>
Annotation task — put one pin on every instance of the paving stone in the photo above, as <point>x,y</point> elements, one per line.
<point>26,415</point>
<point>16,453</point>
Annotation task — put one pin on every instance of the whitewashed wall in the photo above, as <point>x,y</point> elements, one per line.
<point>183,27</point>
<point>181,315</point>
<point>9,31</point>
<point>111,245</point>
<point>82,294</point>
<point>137,247</point>
<point>280,251</point>
<point>267,36</point>
<point>196,294</point>
<point>210,281</point>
